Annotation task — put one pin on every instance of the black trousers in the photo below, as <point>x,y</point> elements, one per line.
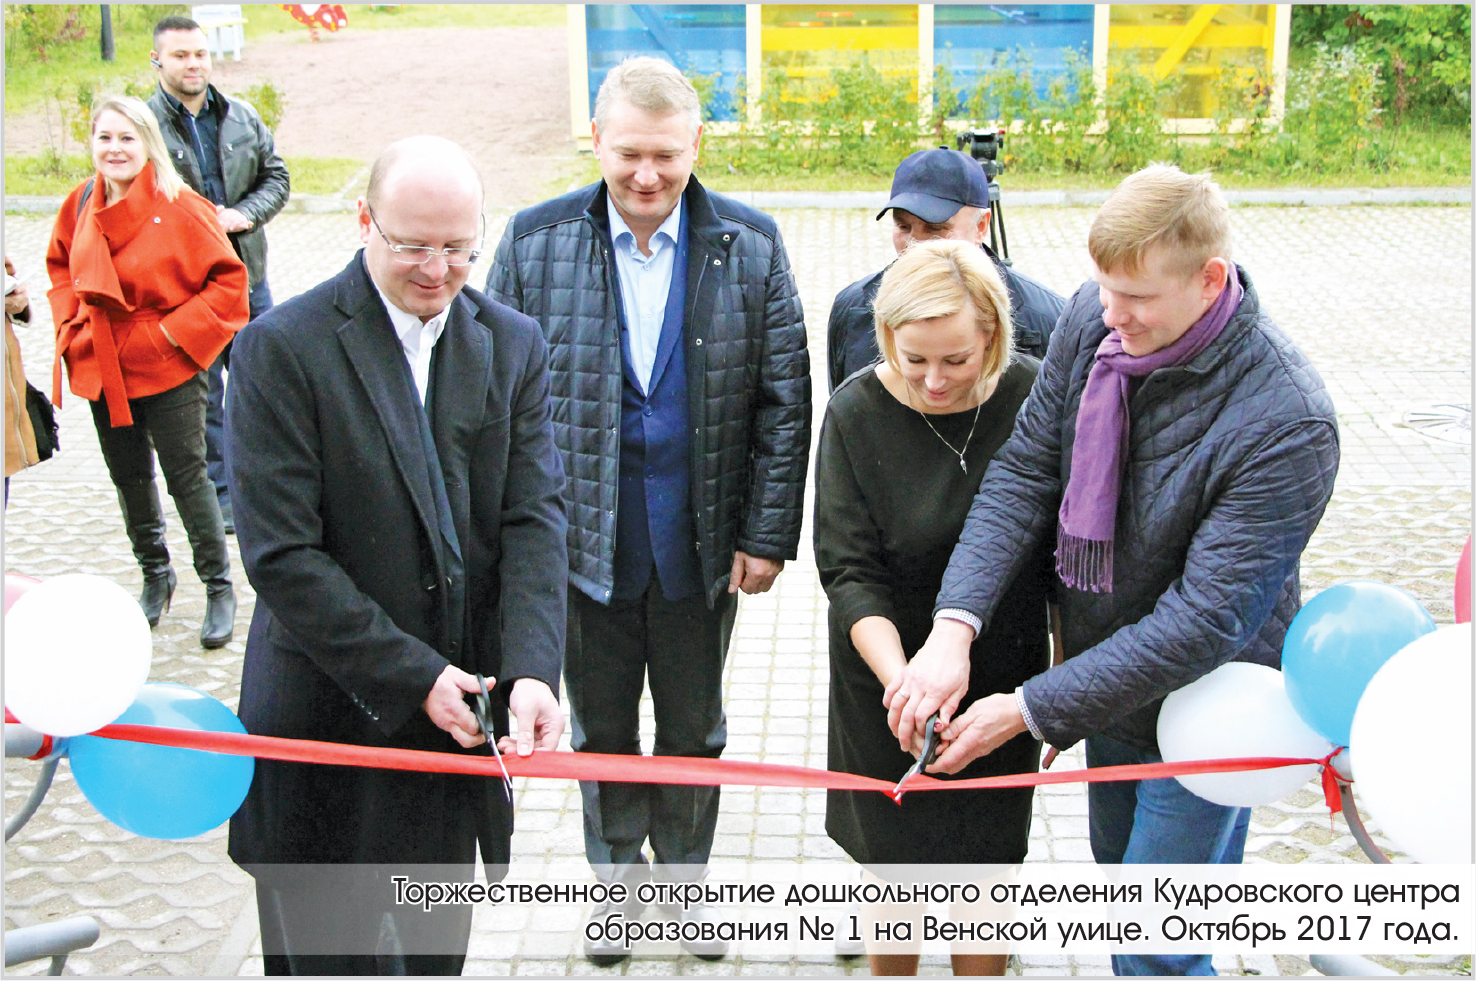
<point>611,652</point>
<point>171,423</point>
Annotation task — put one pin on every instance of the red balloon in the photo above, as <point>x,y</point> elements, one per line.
<point>1463,585</point>
<point>17,585</point>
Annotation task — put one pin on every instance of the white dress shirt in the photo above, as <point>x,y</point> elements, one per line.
<point>645,281</point>
<point>418,339</point>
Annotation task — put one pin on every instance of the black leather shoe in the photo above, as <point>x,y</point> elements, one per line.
<point>158,590</point>
<point>228,517</point>
<point>220,617</point>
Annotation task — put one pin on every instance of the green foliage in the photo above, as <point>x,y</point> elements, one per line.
<point>1062,127</point>
<point>269,103</point>
<point>1135,107</point>
<point>1334,131</point>
<point>47,61</point>
<point>707,91</point>
<point>47,172</point>
<point>77,111</point>
<point>861,120</point>
<point>1423,51</point>
<point>33,30</point>
<point>1332,111</point>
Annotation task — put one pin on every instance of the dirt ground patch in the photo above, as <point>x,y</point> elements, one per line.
<point>503,93</point>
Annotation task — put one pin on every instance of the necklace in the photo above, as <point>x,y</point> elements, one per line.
<point>958,453</point>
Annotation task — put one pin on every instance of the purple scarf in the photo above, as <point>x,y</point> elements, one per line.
<point>1089,506</point>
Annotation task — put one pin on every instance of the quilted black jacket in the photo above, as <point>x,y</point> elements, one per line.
<point>851,337</point>
<point>748,374</point>
<point>1230,464</point>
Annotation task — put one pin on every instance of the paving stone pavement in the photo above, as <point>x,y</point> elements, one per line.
<point>1379,297</point>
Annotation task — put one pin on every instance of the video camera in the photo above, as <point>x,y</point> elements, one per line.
<point>984,147</point>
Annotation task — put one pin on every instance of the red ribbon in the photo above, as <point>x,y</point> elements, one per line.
<point>659,769</point>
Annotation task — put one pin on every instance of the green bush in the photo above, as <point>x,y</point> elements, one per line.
<point>1332,112</point>
<point>269,103</point>
<point>1135,109</point>
<point>33,30</point>
<point>861,120</point>
<point>1422,51</point>
<point>1060,131</point>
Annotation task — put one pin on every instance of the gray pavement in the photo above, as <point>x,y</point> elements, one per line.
<point>1379,297</point>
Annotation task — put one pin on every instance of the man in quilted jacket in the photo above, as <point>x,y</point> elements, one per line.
<point>682,408</point>
<point>1180,450</point>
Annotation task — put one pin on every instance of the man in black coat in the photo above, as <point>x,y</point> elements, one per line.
<point>682,385</point>
<point>400,517</point>
<point>936,194</point>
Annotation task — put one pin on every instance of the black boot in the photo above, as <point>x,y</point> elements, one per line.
<point>199,511</point>
<point>220,616</point>
<point>144,520</point>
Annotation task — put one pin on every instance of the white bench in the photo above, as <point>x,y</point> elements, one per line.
<point>223,25</point>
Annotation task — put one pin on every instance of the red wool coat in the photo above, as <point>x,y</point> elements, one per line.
<point>128,276</point>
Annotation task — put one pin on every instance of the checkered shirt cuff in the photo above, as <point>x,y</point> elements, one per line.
<point>1025,712</point>
<point>962,616</point>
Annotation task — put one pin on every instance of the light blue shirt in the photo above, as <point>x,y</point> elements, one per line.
<point>645,282</point>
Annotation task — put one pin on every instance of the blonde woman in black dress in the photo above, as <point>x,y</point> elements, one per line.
<point>903,449</point>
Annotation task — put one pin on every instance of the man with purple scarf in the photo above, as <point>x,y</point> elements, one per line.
<point>1181,449</point>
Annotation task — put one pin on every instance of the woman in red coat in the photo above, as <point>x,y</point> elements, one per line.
<point>145,292</point>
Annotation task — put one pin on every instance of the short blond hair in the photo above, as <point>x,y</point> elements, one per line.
<point>1161,205</point>
<point>651,85</point>
<point>137,112</point>
<point>936,279</point>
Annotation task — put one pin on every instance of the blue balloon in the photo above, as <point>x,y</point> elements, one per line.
<point>1338,641</point>
<point>164,791</point>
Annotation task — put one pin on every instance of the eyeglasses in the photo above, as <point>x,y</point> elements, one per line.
<point>419,255</point>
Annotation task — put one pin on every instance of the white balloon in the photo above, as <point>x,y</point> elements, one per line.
<point>77,650</point>
<point>1412,737</point>
<point>1236,710</point>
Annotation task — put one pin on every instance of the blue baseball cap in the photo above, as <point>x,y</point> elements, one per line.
<point>934,184</point>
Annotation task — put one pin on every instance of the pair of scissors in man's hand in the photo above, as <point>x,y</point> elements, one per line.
<point>932,745</point>
<point>483,711</point>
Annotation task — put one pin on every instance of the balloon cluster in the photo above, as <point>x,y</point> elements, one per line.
<point>1363,667</point>
<point>77,656</point>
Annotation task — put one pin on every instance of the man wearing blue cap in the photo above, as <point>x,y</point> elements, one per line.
<point>939,193</point>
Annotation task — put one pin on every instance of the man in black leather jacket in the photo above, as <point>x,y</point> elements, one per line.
<point>937,193</point>
<point>224,153</point>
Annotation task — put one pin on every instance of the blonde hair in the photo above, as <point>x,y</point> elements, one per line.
<point>1161,205</point>
<point>166,178</point>
<point>936,279</point>
<point>649,84</point>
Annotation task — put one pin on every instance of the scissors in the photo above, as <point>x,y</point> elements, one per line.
<point>932,743</point>
<point>483,712</point>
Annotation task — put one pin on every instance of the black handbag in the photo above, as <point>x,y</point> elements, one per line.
<point>43,422</point>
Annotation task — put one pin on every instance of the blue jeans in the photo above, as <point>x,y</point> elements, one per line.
<point>215,448</point>
<point>1158,822</point>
